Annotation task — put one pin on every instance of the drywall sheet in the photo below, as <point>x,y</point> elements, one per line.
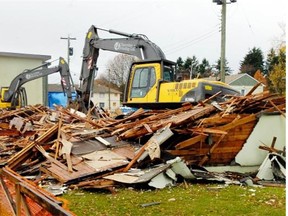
<point>268,126</point>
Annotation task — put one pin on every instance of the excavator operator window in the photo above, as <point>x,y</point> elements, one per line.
<point>168,74</point>
<point>143,80</point>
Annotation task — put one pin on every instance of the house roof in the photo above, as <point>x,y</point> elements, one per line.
<point>238,80</point>
<point>24,55</point>
<point>105,89</point>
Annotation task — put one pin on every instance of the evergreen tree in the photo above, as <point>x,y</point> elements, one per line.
<point>227,69</point>
<point>192,65</point>
<point>204,68</point>
<point>252,62</point>
<point>180,63</point>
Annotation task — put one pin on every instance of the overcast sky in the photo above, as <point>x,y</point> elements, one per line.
<point>181,28</point>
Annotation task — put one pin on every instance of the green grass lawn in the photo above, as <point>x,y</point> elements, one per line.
<point>191,199</point>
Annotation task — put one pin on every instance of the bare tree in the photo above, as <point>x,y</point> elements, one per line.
<point>118,70</point>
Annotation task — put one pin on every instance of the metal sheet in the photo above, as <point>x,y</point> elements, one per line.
<point>86,147</point>
<point>161,181</point>
<point>138,176</point>
<point>180,168</point>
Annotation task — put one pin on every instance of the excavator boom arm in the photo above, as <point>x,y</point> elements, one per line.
<point>21,79</point>
<point>132,44</point>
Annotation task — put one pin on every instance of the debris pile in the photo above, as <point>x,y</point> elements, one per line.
<point>73,147</point>
<point>154,147</point>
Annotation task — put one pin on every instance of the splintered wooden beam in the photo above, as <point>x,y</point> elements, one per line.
<point>208,131</point>
<point>25,153</point>
<point>279,110</point>
<point>154,117</point>
<point>253,89</point>
<point>138,113</point>
<point>238,122</point>
<point>192,115</point>
<point>190,142</point>
<point>183,116</point>
<point>58,136</point>
<point>83,119</point>
<point>271,148</point>
<point>202,103</point>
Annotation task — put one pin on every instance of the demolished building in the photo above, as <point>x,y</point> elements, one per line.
<point>153,147</point>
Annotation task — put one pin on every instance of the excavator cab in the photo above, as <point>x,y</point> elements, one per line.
<point>145,79</point>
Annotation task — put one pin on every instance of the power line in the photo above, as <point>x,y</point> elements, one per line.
<point>177,43</point>
<point>192,42</point>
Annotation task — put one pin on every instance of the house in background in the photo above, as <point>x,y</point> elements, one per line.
<point>242,83</point>
<point>107,98</point>
<point>12,64</point>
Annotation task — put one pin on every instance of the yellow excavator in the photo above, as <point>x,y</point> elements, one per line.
<point>152,81</point>
<point>15,95</point>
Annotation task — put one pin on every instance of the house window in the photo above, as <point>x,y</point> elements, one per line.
<point>242,91</point>
<point>101,104</point>
<point>114,104</point>
<point>115,94</point>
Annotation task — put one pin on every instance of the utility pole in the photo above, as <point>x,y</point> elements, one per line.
<point>191,71</point>
<point>109,92</point>
<point>223,41</point>
<point>69,49</point>
<point>223,36</point>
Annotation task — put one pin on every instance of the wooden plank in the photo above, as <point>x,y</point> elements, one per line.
<point>253,89</point>
<point>277,108</point>
<point>148,128</point>
<point>190,142</point>
<point>63,175</point>
<point>208,130</point>
<point>125,151</point>
<point>8,195</point>
<point>51,159</point>
<point>18,199</point>
<point>238,122</point>
<point>58,136</point>
<point>157,117</point>
<point>103,141</point>
<point>66,150</point>
<point>192,115</point>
